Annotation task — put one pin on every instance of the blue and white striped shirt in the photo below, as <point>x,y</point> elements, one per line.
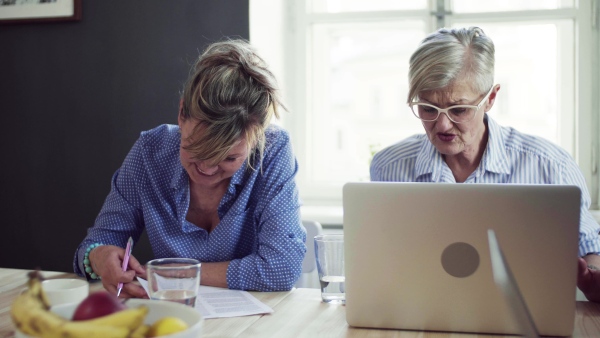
<point>510,157</point>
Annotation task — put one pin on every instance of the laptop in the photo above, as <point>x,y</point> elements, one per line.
<point>417,255</point>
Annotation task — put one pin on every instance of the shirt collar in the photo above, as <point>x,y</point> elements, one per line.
<point>494,157</point>
<point>238,177</point>
<point>429,161</point>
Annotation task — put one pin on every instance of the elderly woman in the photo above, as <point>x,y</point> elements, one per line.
<point>218,187</point>
<point>451,90</point>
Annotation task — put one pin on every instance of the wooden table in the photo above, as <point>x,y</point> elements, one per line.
<point>298,313</point>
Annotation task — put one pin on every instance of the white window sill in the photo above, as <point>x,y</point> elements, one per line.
<point>328,216</point>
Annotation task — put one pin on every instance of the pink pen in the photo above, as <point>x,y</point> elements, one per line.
<point>125,262</point>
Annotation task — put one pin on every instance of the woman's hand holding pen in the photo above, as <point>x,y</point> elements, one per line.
<point>106,261</point>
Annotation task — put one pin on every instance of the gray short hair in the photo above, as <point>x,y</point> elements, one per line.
<point>231,94</point>
<point>449,54</point>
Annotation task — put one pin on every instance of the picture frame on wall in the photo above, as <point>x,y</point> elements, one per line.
<point>26,11</point>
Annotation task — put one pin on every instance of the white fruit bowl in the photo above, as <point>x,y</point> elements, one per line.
<point>158,309</point>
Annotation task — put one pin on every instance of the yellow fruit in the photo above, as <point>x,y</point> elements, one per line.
<point>166,326</point>
<point>140,332</point>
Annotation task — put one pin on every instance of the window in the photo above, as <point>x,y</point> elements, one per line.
<point>345,66</point>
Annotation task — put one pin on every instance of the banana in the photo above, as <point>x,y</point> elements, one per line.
<point>80,330</point>
<point>140,332</point>
<point>31,315</point>
<point>128,318</point>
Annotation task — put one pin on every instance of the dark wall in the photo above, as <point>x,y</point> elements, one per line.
<point>74,97</point>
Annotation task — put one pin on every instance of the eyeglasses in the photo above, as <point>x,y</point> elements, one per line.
<point>457,114</point>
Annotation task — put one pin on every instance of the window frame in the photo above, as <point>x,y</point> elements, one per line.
<point>292,55</point>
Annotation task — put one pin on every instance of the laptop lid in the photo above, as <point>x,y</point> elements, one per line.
<point>417,255</point>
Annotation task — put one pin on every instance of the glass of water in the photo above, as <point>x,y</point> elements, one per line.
<point>174,279</point>
<point>329,253</point>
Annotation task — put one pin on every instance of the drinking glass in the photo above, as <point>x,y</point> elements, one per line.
<point>329,253</point>
<point>174,279</point>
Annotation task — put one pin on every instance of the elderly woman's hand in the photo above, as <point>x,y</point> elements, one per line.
<point>106,261</point>
<point>588,277</point>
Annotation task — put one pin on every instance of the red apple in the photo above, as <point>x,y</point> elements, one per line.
<point>98,304</point>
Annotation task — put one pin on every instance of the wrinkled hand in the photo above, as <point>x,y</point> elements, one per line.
<point>106,261</point>
<point>588,280</point>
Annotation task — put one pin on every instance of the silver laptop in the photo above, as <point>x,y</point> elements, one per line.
<point>417,255</point>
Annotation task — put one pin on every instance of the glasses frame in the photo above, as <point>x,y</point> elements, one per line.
<point>445,111</point>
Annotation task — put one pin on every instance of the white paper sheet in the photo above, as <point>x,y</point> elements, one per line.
<point>215,302</point>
